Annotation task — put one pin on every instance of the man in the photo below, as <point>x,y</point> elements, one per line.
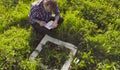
<point>41,14</point>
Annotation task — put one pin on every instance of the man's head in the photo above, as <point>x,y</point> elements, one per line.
<point>50,5</point>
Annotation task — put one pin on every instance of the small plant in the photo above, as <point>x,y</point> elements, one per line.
<point>54,56</point>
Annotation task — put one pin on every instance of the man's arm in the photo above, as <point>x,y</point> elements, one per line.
<point>41,23</point>
<point>57,16</point>
<point>36,16</point>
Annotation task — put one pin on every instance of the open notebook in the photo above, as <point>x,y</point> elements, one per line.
<point>48,25</point>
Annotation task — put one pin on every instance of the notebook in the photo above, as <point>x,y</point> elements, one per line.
<point>48,25</point>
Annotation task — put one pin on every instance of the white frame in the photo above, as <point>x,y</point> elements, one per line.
<point>73,50</point>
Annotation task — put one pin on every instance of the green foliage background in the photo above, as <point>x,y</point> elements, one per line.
<point>92,25</point>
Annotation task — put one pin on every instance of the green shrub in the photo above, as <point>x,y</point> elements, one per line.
<point>14,47</point>
<point>92,25</point>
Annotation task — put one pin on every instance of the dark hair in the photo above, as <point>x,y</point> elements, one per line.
<point>52,4</point>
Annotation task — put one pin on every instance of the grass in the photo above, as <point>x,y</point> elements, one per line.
<point>18,38</point>
<point>83,26</point>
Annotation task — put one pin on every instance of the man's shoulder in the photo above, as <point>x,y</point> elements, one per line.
<point>37,3</point>
<point>34,4</point>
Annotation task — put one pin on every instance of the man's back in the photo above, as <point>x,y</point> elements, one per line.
<point>41,14</point>
<point>38,12</point>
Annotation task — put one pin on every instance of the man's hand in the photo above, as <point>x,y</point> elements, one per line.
<point>41,23</point>
<point>54,25</point>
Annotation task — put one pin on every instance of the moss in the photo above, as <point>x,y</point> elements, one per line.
<point>54,55</point>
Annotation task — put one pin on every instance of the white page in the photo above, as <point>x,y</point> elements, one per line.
<point>48,25</point>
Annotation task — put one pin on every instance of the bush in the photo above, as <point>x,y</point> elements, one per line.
<point>92,25</point>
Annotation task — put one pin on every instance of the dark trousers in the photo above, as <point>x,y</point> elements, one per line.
<point>42,29</point>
